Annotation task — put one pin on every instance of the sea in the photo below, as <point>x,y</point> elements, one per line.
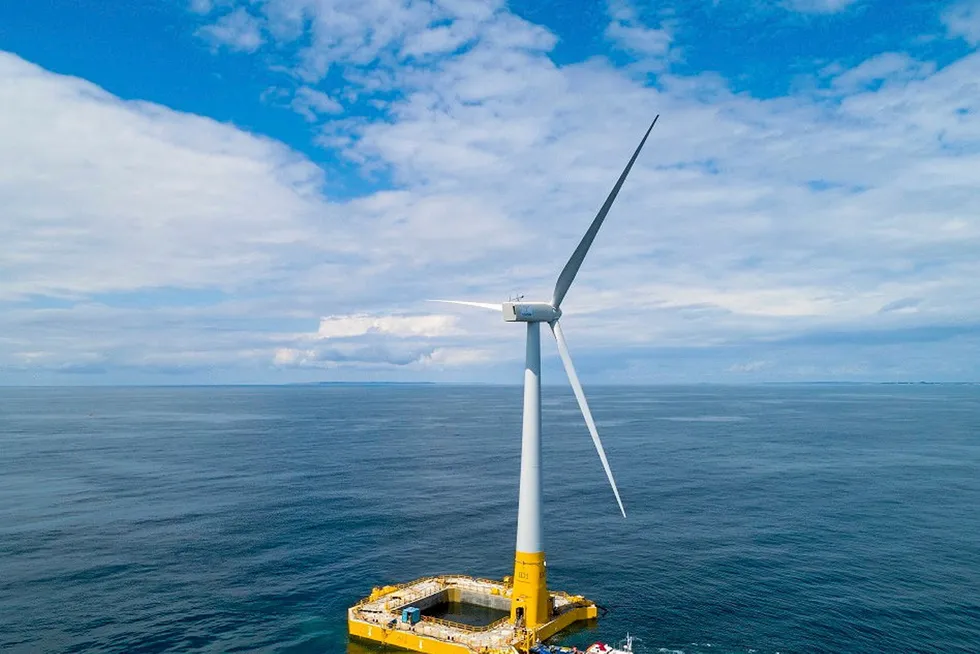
<point>760,519</point>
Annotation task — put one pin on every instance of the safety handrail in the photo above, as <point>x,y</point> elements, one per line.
<point>465,627</point>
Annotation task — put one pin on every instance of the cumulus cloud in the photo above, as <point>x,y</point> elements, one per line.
<point>892,67</point>
<point>731,184</point>
<point>372,39</point>
<point>345,326</point>
<point>311,104</point>
<point>347,354</point>
<point>415,341</point>
<point>357,33</point>
<point>444,356</point>
<point>626,30</point>
<point>201,6</point>
<point>749,366</point>
<point>962,19</point>
<point>238,30</point>
<point>104,195</point>
<point>383,356</point>
<point>820,6</point>
<point>439,40</point>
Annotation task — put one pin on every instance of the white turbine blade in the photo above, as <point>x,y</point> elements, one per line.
<point>566,359</point>
<point>481,305</point>
<point>575,262</point>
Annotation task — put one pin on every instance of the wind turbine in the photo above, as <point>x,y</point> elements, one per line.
<point>529,599</point>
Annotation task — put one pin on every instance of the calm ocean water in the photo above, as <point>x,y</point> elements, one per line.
<point>761,519</point>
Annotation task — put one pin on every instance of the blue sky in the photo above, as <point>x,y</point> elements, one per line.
<point>267,191</point>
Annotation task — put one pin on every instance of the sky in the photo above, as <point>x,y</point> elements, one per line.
<point>269,191</point>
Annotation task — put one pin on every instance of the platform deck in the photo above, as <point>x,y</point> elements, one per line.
<point>378,618</point>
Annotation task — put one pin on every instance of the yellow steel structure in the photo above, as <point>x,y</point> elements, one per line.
<point>377,618</point>
<point>529,600</point>
<point>404,639</point>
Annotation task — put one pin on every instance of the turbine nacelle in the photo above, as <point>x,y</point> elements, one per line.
<point>530,312</point>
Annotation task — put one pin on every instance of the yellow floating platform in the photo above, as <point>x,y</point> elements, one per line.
<point>381,618</point>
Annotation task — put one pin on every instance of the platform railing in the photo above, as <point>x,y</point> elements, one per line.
<point>441,579</point>
<point>465,627</point>
<point>397,587</point>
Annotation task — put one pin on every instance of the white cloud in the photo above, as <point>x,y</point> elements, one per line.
<point>311,104</point>
<point>357,32</point>
<point>771,217</point>
<point>351,355</point>
<point>962,19</point>
<point>627,31</point>
<point>427,326</point>
<point>749,366</point>
<point>355,341</point>
<point>288,356</point>
<point>458,357</point>
<point>238,30</point>
<point>103,195</point>
<point>201,6</point>
<point>354,34</point>
<point>641,40</point>
<point>439,40</point>
<point>890,67</point>
<point>383,357</point>
<point>820,6</point>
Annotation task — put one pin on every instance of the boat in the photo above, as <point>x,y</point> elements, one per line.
<point>602,648</point>
<point>594,648</point>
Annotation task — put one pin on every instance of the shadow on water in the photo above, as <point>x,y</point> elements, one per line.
<point>357,646</point>
<point>579,634</point>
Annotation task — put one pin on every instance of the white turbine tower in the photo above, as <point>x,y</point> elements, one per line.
<point>529,600</point>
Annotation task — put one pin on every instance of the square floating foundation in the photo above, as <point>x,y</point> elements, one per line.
<point>459,615</point>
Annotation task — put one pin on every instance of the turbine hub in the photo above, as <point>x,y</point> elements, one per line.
<point>530,312</point>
